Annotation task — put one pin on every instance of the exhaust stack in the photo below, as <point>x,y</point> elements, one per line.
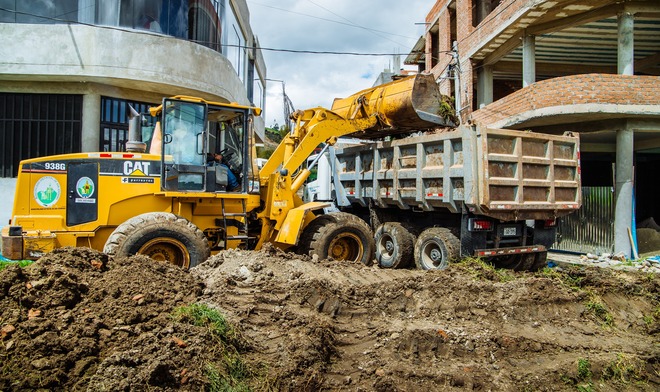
<point>134,143</point>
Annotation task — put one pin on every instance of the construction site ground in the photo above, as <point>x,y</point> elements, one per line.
<point>77,320</point>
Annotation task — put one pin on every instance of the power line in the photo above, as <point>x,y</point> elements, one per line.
<point>375,32</point>
<point>351,24</point>
<point>137,31</point>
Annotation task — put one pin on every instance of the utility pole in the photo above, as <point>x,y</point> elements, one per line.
<point>287,105</point>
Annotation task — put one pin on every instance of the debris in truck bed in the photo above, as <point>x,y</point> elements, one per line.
<point>78,320</point>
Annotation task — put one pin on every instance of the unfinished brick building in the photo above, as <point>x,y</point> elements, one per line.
<point>585,66</point>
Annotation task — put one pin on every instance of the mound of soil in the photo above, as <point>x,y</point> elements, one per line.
<point>77,320</point>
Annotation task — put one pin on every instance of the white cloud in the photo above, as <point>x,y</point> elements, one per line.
<point>386,26</point>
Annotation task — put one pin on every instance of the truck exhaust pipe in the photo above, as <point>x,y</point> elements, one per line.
<point>134,142</point>
<point>406,105</point>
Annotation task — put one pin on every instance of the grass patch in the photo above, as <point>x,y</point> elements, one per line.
<point>584,369</point>
<point>567,279</point>
<point>202,315</point>
<point>595,306</point>
<point>582,380</point>
<point>483,270</point>
<point>624,369</point>
<point>231,374</point>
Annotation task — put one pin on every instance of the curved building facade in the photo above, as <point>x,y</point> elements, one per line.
<point>68,70</point>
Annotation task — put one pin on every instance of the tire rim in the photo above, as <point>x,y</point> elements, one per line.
<point>167,250</point>
<point>385,247</point>
<point>432,255</point>
<point>346,246</point>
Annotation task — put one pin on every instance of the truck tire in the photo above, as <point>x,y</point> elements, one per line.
<point>435,248</point>
<point>531,262</point>
<point>394,245</point>
<point>163,237</point>
<point>347,238</point>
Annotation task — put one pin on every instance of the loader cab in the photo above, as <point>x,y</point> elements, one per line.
<point>195,130</point>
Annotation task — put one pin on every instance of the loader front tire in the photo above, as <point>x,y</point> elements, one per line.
<point>435,248</point>
<point>346,238</point>
<point>394,245</point>
<point>163,236</point>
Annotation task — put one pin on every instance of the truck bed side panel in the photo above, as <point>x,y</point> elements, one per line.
<point>504,174</point>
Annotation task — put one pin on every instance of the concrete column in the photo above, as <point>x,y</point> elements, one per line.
<point>624,191</point>
<point>91,122</point>
<point>529,60</point>
<point>626,52</point>
<point>485,86</point>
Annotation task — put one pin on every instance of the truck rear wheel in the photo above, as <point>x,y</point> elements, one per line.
<point>531,262</point>
<point>394,245</point>
<point>347,238</point>
<point>435,248</point>
<point>163,237</point>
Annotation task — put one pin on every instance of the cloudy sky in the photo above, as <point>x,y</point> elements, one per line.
<point>367,26</point>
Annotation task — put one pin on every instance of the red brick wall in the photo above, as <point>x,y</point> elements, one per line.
<point>470,37</point>
<point>574,90</point>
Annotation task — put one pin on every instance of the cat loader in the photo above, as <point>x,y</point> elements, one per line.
<point>162,198</point>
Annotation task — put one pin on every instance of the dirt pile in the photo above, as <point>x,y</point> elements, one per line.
<point>76,320</point>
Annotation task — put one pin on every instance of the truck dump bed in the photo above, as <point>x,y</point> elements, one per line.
<point>504,174</point>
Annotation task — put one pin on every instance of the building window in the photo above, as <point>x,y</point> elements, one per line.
<point>205,26</point>
<point>258,93</point>
<point>114,122</point>
<point>36,11</point>
<point>235,44</point>
<point>36,125</point>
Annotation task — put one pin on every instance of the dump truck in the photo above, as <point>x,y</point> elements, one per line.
<point>161,197</point>
<point>471,191</point>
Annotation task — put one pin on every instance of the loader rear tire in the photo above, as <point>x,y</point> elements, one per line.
<point>435,248</point>
<point>347,238</point>
<point>163,236</point>
<point>394,245</point>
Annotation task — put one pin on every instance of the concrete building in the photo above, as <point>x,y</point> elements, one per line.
<point>68,68</point>
<point>585,66</point>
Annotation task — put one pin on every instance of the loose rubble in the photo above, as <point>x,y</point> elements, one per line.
<point>77,320</point>
<point>649,264</point>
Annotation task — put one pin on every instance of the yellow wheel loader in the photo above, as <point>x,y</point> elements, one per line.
<point>163,197</point>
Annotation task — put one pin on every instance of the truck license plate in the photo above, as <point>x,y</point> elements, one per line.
<point>509,231</point>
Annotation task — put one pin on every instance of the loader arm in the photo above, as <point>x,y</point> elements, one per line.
<point>383,110</point>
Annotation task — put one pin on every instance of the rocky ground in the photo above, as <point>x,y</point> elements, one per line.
<point>77,320</point>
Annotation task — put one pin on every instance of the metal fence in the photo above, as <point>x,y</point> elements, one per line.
<point>591,228</point>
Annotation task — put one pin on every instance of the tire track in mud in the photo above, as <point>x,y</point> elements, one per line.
<point>365,327</point>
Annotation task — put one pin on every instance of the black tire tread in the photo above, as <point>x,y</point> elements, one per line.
<point>116,245</point>
<point>450,241</point>
<point>342,220</point>
<point>404,242</point>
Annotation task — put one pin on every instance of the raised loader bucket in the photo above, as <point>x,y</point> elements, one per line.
<point>405,105</point>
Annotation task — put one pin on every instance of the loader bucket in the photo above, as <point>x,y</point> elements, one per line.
<point>405,105</point>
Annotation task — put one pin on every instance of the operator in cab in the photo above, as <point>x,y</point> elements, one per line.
<point>217,159</point>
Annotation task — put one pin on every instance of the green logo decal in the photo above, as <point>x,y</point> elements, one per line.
<point>47,191</point>
<point>85,187</point>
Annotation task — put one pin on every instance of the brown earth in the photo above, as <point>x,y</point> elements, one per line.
<point>76,320</point>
